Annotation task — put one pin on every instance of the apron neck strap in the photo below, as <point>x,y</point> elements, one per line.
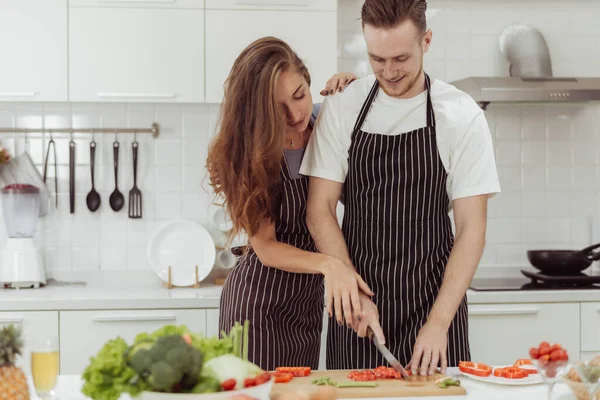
<point>362,115</point>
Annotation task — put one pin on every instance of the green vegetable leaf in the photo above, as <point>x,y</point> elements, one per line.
<point>108,375</point>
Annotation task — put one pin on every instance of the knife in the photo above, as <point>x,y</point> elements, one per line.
<point>394,363</point>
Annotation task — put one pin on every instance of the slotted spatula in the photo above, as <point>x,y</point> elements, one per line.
<point>135,196</point>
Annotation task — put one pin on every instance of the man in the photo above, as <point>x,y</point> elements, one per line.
<point>403,150</point>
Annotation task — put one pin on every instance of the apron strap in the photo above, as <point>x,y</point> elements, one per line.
<point>430,113</point>
<point>362,115</point>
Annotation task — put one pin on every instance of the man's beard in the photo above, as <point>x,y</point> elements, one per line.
<point>408,86</point>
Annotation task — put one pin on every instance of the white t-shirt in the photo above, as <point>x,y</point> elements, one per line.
<point>463,137</point>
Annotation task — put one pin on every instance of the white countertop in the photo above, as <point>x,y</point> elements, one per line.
<point>143,290</point>
<point>69,388</point>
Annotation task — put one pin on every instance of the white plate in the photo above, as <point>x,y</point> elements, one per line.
<point>533,379</point>
<point>182,245</point>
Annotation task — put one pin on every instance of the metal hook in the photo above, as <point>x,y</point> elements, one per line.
<point>135,136</point>
<point>116,132</point>
<point>93,135</point>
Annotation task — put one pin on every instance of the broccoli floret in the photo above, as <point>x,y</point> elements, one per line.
<point>169,363</point>
<point>163,375</point>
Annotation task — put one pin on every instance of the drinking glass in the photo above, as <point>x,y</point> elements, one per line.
<point>44,366</point>
<point>551,372</point>
<point>590,375</point>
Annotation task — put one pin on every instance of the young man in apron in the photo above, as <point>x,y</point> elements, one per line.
<point>402,149</point>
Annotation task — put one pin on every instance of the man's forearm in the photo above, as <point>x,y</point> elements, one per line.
<point>328,236</point>
<point>462,264</point>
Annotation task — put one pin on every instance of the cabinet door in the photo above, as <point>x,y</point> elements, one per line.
<point>33,42</point>
<point>35,325</point>
<point>285,5</point>
<point>212,322</point>
<point>83,333</point>
<point>590,327</point>
<point>499,334</point>
<point>313,35</point>
<point>136,54</point>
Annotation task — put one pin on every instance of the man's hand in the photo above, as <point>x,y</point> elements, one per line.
<point>370,319</point>
<point>430,350</point>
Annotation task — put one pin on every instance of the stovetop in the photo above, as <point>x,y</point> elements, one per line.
<point>532,279</point>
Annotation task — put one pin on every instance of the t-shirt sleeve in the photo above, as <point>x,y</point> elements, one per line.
<point>326,154</point>
<point>472,163</point>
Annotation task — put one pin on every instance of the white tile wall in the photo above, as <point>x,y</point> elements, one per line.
<point>170,175</point>
<point>547,156</point>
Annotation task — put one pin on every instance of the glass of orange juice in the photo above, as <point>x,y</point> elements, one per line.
<point>44,366</point>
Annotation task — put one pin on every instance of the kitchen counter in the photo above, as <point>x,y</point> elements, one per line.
<point>109,290</point>
<point>69,388</point>
<point>143,290</point>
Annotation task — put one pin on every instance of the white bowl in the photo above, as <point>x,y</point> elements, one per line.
<point>260,392</point>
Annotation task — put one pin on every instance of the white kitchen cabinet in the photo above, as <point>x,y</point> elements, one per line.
<point>499,334</point>
<point>284,5</point>
<point>136,54</point>
<point>212,322</point>
<point>138,3</point>
<point>590,327</point>
<point>83,333</point>
<point>33,42</point>
<point>313,35</point>
<point>35,325</point>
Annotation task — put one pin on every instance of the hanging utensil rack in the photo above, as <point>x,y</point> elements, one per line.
<point>154,130</point>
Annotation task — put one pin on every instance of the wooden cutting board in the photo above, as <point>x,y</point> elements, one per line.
<point>416,386</point>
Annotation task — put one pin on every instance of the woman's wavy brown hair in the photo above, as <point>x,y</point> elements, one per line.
<point>244,159</point>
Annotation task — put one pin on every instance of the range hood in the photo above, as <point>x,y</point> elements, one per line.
<point>485,90</point>
<point>530,74</point>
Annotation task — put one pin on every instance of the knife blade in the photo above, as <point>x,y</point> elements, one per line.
<point>394,363</point>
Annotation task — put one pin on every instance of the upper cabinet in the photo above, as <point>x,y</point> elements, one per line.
<point>33,42</point>
<point>159,51</point>
<point>151,51</point>
<point>285,5</point>
<point>308,26</point>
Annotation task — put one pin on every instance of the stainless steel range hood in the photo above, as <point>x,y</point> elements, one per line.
<point>530,74</point>
<point>485,90</point>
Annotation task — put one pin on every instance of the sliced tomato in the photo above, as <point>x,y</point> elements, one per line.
<point>262,378</point>
<point>249,382</point>
<point>282,377</point>
<point>523,361</point>
<point>295,371</point>
<point>228,385</point>
<point>475,368</point>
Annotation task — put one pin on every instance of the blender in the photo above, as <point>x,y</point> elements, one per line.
<point>22,264</point>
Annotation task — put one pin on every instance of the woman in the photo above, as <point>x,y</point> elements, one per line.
<point>266,119</point>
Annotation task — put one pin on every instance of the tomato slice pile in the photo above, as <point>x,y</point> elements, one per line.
<point>381,372</point>
<point>281,377</point>
<point>516,371</point>
<point>362,376</point>
<point>295,371</point>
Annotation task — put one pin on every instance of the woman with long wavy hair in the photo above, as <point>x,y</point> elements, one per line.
<point>265,121</point>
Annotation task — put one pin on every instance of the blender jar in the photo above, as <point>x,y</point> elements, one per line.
<point>21,208</point>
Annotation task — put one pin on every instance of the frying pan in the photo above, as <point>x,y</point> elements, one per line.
<point>563,262</point>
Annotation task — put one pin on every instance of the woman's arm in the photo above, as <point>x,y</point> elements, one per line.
<point>273,253</point>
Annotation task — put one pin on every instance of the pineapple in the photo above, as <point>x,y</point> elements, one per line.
<point>13,383</point>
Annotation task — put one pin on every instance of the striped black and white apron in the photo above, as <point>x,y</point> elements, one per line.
<point>399,236</point>
<point>285,309</point>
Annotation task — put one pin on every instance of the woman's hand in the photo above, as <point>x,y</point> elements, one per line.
<point>342,285</point>
<point>338,82</point>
